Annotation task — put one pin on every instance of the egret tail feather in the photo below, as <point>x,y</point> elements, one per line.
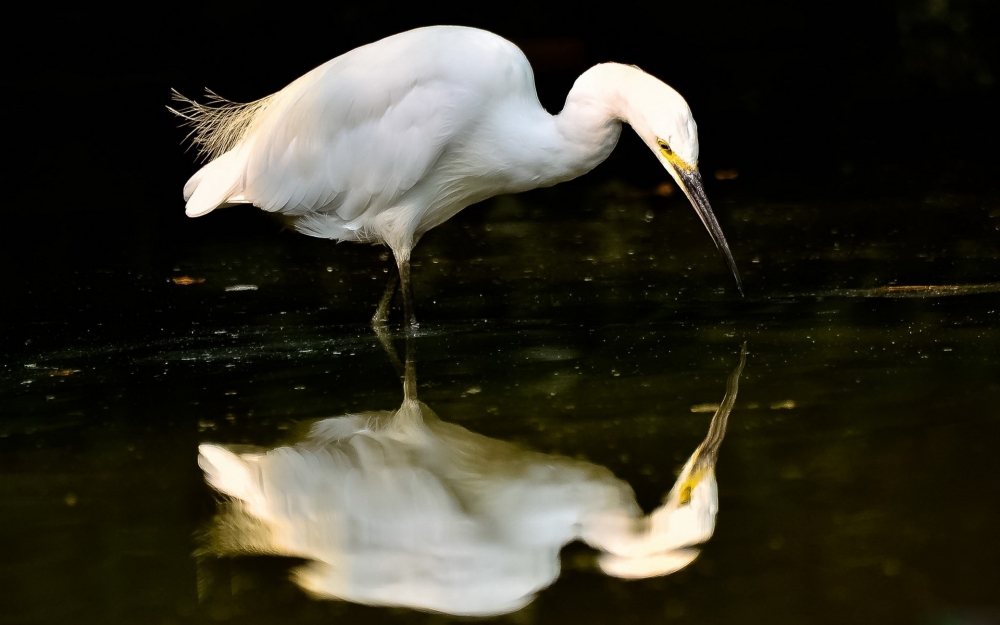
<point>219,125</point>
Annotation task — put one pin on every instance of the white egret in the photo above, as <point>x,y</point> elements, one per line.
<point>391,139</point>
<point>401,508</point>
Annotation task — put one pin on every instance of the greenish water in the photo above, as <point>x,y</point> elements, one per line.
<point>857,482</point>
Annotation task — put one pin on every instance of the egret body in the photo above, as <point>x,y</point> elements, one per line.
<point>391,139</point>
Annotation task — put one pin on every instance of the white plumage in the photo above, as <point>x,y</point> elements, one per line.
<point>401,508</point>
<point>391,139</point>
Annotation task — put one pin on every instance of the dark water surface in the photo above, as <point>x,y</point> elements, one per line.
<point>858,480</point>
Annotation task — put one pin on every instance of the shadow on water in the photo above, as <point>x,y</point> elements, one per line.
<point>399,508</point>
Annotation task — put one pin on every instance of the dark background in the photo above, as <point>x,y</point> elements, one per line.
<point>865,137</point>
<point>803,98</point>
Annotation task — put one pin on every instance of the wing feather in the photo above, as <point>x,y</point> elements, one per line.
<point>374,146</point>
<point>349,138</point>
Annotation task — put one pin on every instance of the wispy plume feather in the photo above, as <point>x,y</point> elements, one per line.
<point>218,125</point>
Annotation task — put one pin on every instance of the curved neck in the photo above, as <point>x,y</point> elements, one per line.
<point>588,131</point>
<point>613,91</point>
<point>601,99</point>
<point>541,150</point>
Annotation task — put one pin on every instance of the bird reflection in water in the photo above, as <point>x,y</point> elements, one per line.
<point>403,509</point>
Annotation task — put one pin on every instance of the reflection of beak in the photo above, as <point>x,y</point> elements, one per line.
<point>690,181</point>
<point>702,462</point>
<point>708,451</point>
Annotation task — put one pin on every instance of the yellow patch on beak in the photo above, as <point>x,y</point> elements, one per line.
<point>678,163</point>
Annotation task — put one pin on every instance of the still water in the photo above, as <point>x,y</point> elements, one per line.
<point>574,349</point>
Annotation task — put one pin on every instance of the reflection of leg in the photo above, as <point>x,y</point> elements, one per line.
<point>380,319</point>
<point>410,373</point>
<point>382,313</point>
<point>407,372</point>
<point>385,338</point>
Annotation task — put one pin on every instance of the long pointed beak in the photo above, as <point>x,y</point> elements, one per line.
<point>695,191</point>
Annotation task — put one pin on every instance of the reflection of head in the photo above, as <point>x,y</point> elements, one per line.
<point>404,509</point>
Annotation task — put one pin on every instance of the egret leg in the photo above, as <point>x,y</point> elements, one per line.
<point>410,320</point>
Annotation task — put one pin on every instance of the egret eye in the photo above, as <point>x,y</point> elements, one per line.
<point>665,147</point>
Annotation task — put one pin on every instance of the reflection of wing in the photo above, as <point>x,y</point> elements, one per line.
<point>337,148</point>
<point>355,134</point>
<point>387,512</point>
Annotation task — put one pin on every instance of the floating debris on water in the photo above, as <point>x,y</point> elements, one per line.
<point>945,290</point>
<point>242,287</point>
<point>664,189</point>
<point>186,280</point>
<point>704,407</point>
<point>788,404</point>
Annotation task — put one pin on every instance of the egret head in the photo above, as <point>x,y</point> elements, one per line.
<point>663,119</point>
<point>685,172</point>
